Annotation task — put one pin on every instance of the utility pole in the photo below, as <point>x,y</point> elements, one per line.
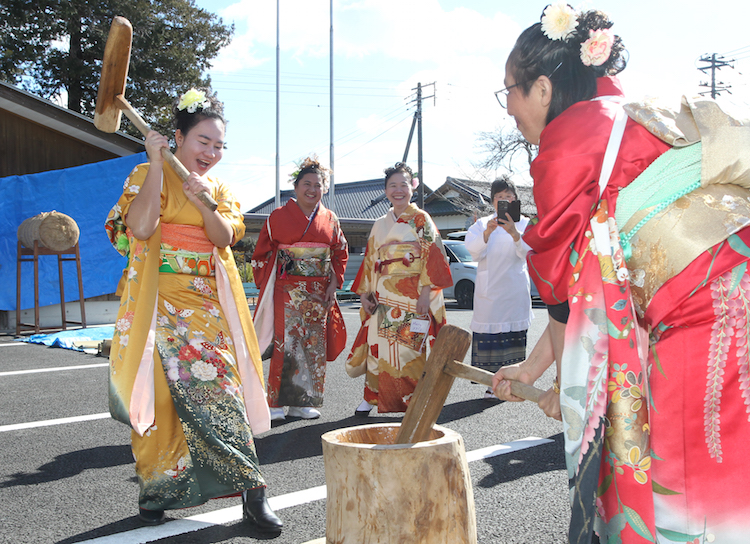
<point>418,122</point>
<point>277,200</point>
<point>331,189</point>
<point>715,62</point>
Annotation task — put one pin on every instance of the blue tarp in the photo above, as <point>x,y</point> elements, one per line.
<point>71,339</point>
<point>85,193</point>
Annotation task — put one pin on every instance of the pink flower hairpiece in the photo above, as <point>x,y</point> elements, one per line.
<point>596,50</point>
<point>414,183</point>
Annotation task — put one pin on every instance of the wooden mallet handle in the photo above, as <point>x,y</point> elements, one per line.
<point>519,389</point>
<point>173,161</point>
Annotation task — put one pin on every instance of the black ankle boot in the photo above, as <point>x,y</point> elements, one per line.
<point>256,510</point>
<point>151,517</point>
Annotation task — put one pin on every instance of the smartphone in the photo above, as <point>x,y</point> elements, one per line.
<point>513,208</point>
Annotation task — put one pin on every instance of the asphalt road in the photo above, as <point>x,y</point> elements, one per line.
<point>67,474</point>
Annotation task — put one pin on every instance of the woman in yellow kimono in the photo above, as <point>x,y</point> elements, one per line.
<point>400,284</point>
<point>185,369</point>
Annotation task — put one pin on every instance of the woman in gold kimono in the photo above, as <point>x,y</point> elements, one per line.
<point>185,369</point>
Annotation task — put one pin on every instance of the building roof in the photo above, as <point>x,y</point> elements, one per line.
<point>43,112</point>
<point>365,200</point>
<point>469,197</point>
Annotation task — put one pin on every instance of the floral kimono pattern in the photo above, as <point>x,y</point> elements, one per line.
<point>184,360</point>
<point>402,256</point>
<point>645,407</point>
<point>293,262</point>
<point>654,387</point>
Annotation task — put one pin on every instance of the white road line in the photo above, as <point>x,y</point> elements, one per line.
<point>234,513</point>
<point>49,422</point>
<point>56,369</point>
<point>6,344</point>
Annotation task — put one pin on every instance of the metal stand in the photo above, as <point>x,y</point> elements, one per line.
<point>32,255</point>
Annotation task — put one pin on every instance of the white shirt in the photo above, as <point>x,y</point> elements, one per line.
<point>502,296</point>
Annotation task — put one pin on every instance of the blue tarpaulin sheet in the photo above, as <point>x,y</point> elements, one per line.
<point>85,193</point>
<point>71,339</point>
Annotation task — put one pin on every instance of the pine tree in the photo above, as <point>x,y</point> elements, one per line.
<point>54,48</point>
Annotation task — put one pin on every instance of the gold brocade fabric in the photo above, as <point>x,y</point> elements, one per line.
<point>673,238</point>
<point>725,135</point>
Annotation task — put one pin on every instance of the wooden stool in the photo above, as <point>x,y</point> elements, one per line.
<point>26,254</point>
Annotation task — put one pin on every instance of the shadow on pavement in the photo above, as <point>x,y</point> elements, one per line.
<point>216,533</point>
<point>72,464</point>
<point>466,408</point>
<point>304,442</point>
<point>519,464</point>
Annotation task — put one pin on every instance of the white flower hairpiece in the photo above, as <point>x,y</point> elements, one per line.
<point>596,50</point>
<point>559,21</point>
<point>192,100</point>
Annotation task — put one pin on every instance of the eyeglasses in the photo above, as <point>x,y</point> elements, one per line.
<point>502,94</point>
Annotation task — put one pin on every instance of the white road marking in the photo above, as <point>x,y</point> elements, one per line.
<point>50,422</point>
<point>55,369</point>
<point>6,344</point>
<point>502,449</point>
<point>234,513</point>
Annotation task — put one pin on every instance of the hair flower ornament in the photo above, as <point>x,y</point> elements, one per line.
<point>414,183</point>
<point>596,50</point>
<point>192,100</point>
<point>559,21</point>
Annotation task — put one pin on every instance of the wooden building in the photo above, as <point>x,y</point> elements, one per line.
<point>37,135</point>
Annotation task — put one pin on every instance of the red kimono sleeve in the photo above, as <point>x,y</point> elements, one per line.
<point>339,253</point>
<point>566,187</point>
<point>263,256</point>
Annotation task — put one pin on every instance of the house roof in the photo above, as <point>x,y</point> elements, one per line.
<point>365,200</point>
<point>43,112</point>
<point>467,197</point>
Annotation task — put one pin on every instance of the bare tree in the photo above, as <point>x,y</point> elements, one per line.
<point>502,148</point>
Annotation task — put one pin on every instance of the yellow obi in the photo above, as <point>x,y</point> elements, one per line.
<point>397,258</point>
<point>304,259</point>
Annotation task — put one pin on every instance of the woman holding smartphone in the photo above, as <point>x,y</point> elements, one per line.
<point>502,298</point>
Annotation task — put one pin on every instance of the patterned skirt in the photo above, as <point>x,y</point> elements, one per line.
<point>492,351</point>
<point>200,445</point>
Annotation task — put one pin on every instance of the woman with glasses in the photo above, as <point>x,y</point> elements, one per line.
<point>641,230</point>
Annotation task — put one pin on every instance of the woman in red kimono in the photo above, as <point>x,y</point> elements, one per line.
<point>635,237</point>
<point>298,263</point>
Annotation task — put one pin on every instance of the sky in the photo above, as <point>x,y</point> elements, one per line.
<point>456,49</point>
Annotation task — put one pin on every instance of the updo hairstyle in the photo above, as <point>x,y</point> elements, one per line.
<point>535,55</point>
<point>185,121</point>
<point>311,165</point>
<point>399,167</point>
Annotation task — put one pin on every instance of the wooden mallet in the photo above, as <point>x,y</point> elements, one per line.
<point>437,378</point>
<point>111,102</point>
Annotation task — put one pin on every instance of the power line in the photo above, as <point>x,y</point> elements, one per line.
<point>737,51</point>
<point>376,137</point>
